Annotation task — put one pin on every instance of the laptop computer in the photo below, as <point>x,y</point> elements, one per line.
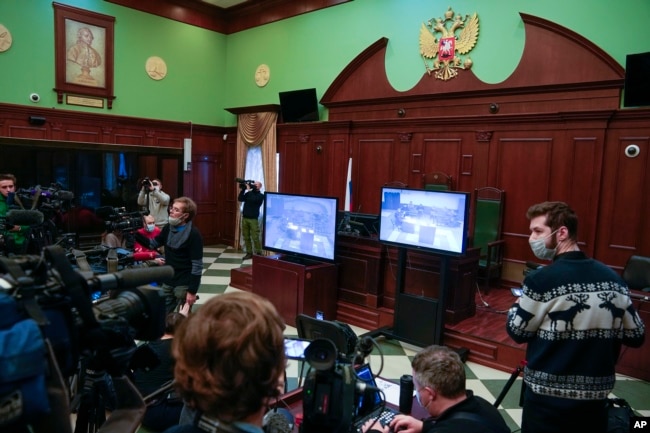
<point>371,404</point>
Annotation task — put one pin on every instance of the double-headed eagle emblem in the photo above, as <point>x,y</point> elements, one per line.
<point>441,49</point>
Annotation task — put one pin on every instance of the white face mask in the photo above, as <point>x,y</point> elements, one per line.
<point>150,227</point>
<point>175,221</point>
<point>539,248</point>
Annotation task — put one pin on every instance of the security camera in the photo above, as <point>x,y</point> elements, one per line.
<point>632,151</point>
<point>34,97</point>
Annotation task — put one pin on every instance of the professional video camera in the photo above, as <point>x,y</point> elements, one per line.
<point>332,392</point>
<point>49,323</point>
<point>46,199</point>
<point>35,207</point>
<point>243,182</point>
<point>117,218</point>
<point>146,183</point>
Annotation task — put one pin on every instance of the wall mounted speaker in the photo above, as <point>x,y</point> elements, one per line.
<point>187,154</point>
<point>637,84</point>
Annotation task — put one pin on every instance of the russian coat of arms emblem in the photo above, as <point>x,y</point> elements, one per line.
<point>445,43</point>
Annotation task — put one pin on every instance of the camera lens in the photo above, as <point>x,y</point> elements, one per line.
<point>321,354</point>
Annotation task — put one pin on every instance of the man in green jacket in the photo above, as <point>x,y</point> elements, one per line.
<point>14,236</point>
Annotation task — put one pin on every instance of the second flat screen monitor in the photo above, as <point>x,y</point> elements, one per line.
<point>421,219</point>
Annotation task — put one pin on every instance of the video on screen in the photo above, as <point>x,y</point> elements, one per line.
<point>435,220</point>
<point>300,224</point>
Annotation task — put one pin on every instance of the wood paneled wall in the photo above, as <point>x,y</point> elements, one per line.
<point>159,146</point>
<point>548,132</point>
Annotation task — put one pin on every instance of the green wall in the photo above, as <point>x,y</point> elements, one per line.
<point>209,72</point>
<point>192,91</point>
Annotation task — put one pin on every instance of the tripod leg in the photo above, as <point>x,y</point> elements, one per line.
<point>508,385</point>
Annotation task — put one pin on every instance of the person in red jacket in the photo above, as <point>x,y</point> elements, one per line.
<point>150,231</point>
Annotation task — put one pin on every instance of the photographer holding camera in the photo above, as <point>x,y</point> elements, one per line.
<point>14,235</point>
<point>153,199</point>
<point>252,198</point>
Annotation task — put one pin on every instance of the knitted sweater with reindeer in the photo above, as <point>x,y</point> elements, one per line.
<point>574,316</point>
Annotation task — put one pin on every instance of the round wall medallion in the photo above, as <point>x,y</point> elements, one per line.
<point>156,68</point>
<point>5,39</point>
<point>262,75</point>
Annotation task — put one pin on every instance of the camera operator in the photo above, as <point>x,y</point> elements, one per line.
<point>230,363</point>
<point>183,251</point>
<point>153,199</point>
<point>15,235</point>
<point>114,239</point>
<point>252,198</point>
<point>439,380</point>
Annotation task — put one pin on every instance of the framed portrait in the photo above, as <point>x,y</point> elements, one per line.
<point>83,50</point>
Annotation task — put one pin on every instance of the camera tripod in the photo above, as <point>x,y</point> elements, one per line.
<point>96,396</point>
<point>509,383</point>
<point>100,392</point>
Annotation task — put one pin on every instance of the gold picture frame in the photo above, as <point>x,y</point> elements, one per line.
<point>83,49</point>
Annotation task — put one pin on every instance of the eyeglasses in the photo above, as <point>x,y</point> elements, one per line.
<point>155,183</point>
<point>176,210</point>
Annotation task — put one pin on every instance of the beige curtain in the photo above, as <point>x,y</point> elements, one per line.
<point>257,129</point>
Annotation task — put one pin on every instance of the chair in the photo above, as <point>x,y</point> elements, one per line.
<point>486,233</point>
<point>437,181</point>
<point>637,273</point>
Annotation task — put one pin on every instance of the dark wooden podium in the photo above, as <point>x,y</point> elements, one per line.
<point>306,287</point>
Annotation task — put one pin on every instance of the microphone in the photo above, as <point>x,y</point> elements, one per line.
<point>18,217</point>
<point>278,420</point>
<point>362,387</point>
<point>134,277</point>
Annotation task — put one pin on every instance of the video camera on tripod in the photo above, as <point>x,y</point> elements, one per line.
<point>46,199</point>
<point>332,392</point>
<point>49,327</point>
<point>34,207</point>
<point>117,218</point>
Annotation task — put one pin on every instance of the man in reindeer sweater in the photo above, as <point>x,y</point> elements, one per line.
<point>574,316</point>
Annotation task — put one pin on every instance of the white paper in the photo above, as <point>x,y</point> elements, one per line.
<point>391,390</point>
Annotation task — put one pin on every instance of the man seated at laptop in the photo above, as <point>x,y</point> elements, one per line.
<point>439,381</point>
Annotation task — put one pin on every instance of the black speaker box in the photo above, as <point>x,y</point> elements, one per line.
<point>637,80</point>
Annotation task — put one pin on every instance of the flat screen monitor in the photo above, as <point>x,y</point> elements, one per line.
<point>300,226</point>
<point>636,92</point>
<point>299,105</point>
<point>435,221</point>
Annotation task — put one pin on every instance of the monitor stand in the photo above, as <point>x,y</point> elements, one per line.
<point>418,320</point>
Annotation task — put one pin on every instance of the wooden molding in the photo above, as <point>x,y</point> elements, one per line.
<point>231,20</point>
